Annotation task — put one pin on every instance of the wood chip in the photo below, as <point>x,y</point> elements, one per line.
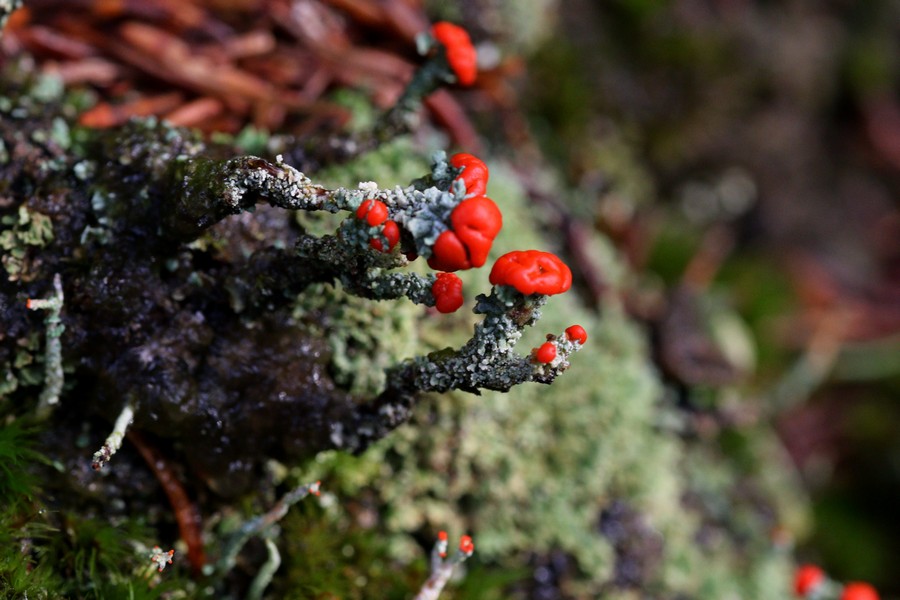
<point>195,112</point>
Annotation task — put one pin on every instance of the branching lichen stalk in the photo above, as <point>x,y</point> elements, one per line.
<point>442,567</point>
<point>53,369</point>
<point>259,524</point>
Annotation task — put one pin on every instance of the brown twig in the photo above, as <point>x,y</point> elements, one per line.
<point>186,512</point>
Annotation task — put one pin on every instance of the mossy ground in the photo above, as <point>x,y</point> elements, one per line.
<point>532,472</point>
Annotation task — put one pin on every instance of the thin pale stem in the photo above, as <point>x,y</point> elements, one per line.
<point>258,524</point>
<point>53,370</point>
<point>266,572</point>
<point>114,441</point>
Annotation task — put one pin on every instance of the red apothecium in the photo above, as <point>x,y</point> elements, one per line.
<point>375,212</point>
<point>459,50</point>
<point>474,175</point>
<point>576,333</point>
<point>545,353</point>
<point>474,224</point>
<point>391,231</point>
<point>532,272</point>
<point>447,292</point>
<point>859,591</point>
<point>806,578</point>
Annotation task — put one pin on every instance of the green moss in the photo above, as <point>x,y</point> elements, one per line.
<point>531,471</point>
<point>366,336</point>
<point>330,558</point>
<point>51,554</point>
<point>393,163</point>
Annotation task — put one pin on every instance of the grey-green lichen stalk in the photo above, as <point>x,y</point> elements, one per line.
<point>211,190</point>
<point>53,367</point>
<point>114,439</point>
<point>487,360</point>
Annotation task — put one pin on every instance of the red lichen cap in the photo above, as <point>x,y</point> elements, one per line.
<point>806,578</point>
<point>532,272</point>
<point>545,353</point>
<point>442,544</point>
<point>391,231</point>
<point>474,224</point>
<point>474,174</point>
<point>859,591</point>
<point>447,292</point>
<point>448,253</point>
<point>576,333</point>
<point>375,212</point>
<point>466,545</point>
<point>459,50</point>
<point>477,221</point>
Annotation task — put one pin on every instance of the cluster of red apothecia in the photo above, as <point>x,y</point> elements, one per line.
<point>475,222</point>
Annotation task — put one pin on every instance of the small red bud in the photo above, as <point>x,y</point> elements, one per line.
<point>392,232</point>
<point>466,545</point>
<point>806,578</point>
<point>859,591</point>
<point>576,333</point>
<point>545,353</point>
<point>459,50</point>
<point>375,212</point>
<point>474,173</point>
<point>447,292</point>
<point>449,253</point>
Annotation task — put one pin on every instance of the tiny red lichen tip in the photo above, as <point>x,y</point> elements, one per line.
<point>391,231</point>
<point>545,353</point>
<point>28,304</point>
<point>576,333</point>
<point>857,590</point>
<point>447,292</point>
<point>441,546</point>
<point>474,173</point>
<point>375,212</point>
<point>161,558</point>
<point>466,545</point>
<point>807,578</point>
